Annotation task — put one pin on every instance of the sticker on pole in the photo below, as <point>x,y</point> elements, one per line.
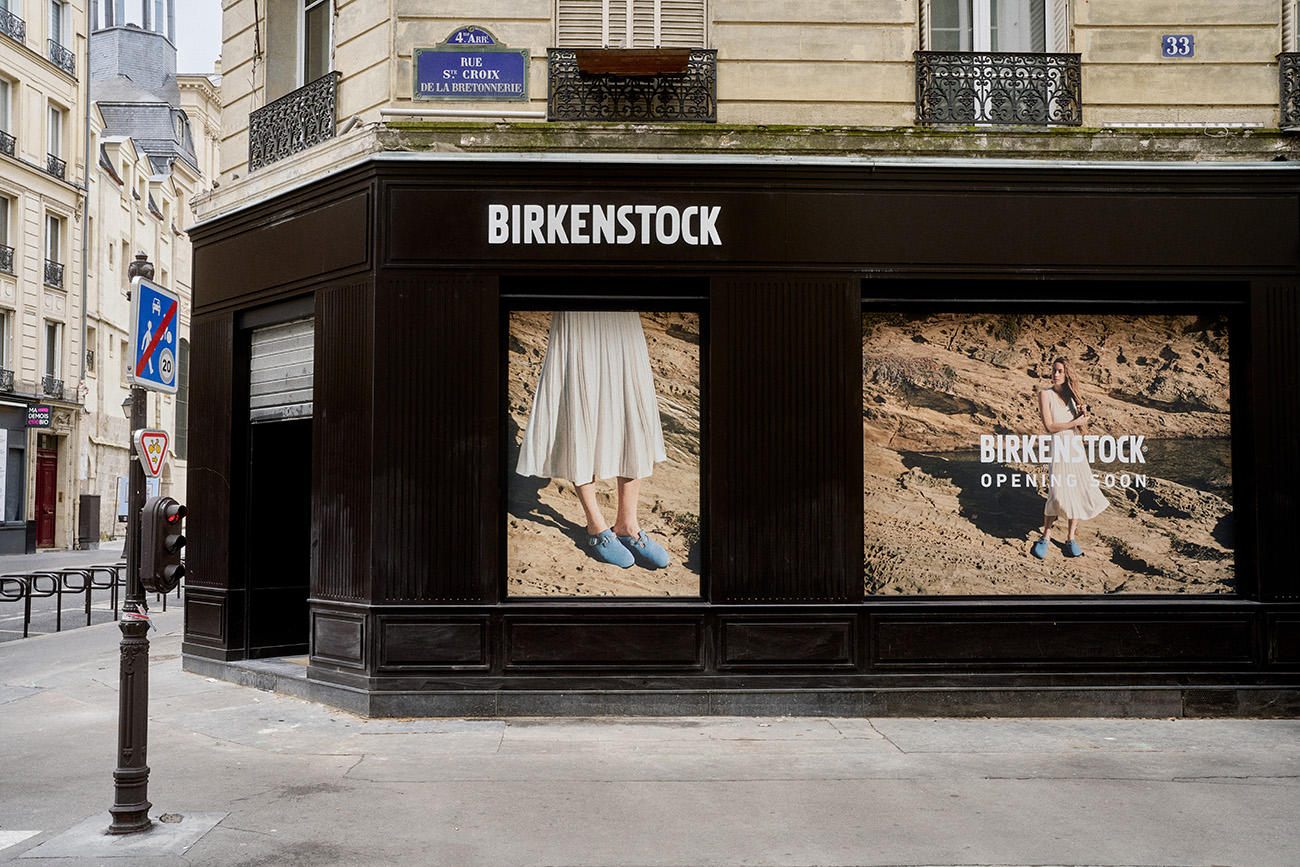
<point>151,446</point>
<point>155,336</point>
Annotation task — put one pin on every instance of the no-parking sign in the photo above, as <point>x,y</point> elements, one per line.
<point>155,336</point>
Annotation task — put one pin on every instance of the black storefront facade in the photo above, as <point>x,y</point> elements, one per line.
<point>370,533</point>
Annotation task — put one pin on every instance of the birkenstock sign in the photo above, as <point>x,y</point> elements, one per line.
<point>471,65</point>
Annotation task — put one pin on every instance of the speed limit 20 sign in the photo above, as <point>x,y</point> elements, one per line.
<point>155,336</point>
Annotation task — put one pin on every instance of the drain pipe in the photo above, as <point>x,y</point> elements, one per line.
<point>85,213</point>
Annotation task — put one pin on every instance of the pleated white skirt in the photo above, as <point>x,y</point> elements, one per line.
<point>595,415</point>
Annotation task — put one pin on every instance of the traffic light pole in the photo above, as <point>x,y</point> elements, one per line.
<point>130,810</point>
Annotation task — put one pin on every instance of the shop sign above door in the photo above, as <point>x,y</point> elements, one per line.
<point>471,65</point>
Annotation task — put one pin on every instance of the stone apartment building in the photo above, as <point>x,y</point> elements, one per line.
<point>68,227</point>
<point>855,238</point>
<point>43,94</point>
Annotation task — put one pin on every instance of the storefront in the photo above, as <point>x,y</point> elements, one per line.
<point>847,367</point>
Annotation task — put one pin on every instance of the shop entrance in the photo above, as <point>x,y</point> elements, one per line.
<point>47,488</point>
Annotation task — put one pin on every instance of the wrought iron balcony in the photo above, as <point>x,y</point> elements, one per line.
<point>52,387</point>
<point>62,57</point>
<point>1289,67</point>
<point>6,380</point>
<point>294,122</point>
<point>13,26</point>
<point>6,259</point>
<point>969,87</point>
<point>575,94</point>
<point>6,143</point>
<point>55,166</point>
<point>53,274</point>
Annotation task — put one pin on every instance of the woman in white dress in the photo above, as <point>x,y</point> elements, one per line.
<point>595,416</point>
<point>1072,494</point>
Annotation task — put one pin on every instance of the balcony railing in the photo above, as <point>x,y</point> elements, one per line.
<point>969,87</point>
<point>1289,66</point>
<point>52,387</point>
<point>6,379</point>
<point>56,166</point>
<point>6,143</point>
<point>574,94</point>
<point>6,259</point>
<point>13,26</point>
<point>293,122</point>
<point>62,57</point>
<point>53,274</point>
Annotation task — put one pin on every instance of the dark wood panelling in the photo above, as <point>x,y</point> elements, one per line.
<point>283,250</point>
<point>457,643</point>
<point>208,480</point>
<point>435,475</point>
<point>998,641</point>
<point>785,440</point>
<point>1285,641</point>
<point>1275,367</point>
<point>204,618</point>
<point>766,643</point>
<point>342,442</point>
<point>336,638</point>
<point>666,643</point>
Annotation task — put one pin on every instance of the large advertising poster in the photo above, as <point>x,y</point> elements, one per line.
<point>1022,453</point>
<point>604,456</point>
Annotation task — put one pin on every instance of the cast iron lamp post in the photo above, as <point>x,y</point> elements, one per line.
<point>130,810</point>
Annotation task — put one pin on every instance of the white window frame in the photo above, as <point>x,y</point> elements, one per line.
<point>6,338</point>
<point>54,238</point>
<point>6,104</point>
<point>58,20</point>
<point>4,220</point>
<point>1289,16</point>
<point>305,6</point>
<point>56,117</point>
<point>1056,25</point>
<point>605,23</point>
<point>53,361</point>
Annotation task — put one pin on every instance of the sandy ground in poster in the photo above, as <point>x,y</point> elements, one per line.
<point>545,529</point>
<point>932,385</point>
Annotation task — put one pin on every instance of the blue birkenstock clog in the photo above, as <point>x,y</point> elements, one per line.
<point>646,551</point>
<point>1072,549</point>
<point>604,547</point>
<point>1040,549</point>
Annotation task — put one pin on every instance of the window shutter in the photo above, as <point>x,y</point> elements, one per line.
<point>580,24</point>
<point>682,24</point>
<point>1288,25</point>
<point>924,41</point>
<point>1058,36</point>
<point>645,24</point>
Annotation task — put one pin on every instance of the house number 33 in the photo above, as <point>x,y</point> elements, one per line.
<point>1178,46</point>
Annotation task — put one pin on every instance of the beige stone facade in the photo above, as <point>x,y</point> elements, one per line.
<point>42,111</point>
<point>818,66</point>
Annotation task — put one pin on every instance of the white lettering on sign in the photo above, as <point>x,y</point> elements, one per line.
<point>696,225</point>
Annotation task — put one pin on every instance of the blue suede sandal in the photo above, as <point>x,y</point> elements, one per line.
<point>646,551</point>
<point>1040,549</point>
<point>1072,549</point>
<point>605,548</point>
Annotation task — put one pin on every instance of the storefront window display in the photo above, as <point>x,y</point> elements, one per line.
<point>1017,452</point>
<point>604,453</point>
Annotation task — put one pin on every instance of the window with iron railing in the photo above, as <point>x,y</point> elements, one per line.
<point>294,122</point>
<point>11,25</point>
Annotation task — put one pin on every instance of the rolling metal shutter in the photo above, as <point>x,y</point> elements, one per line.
<point>280,371</point>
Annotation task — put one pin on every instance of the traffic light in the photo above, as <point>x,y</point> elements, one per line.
<point>160,545</point>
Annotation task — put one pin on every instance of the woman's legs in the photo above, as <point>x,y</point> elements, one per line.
<point>1048,521</point>
<point>625,523</point>
<point>587,497</point>
<point>1073,525</point>
<point>629,492</point>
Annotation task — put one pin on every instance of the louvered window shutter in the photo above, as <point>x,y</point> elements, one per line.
<point>655,24</point>
<point>1058,35</point>
<point>1288,25</point>
<point>925,25</point>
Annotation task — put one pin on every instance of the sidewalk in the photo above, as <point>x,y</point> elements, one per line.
<point>253,778</point>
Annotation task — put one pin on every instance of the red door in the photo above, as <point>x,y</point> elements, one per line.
<point>47,486</point>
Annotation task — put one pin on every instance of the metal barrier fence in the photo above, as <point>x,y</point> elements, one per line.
<point>23,587</point>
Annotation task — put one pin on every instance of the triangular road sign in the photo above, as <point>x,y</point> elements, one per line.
<point>151,446</point>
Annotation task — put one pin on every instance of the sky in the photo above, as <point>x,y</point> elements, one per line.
<point>198,34</point>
